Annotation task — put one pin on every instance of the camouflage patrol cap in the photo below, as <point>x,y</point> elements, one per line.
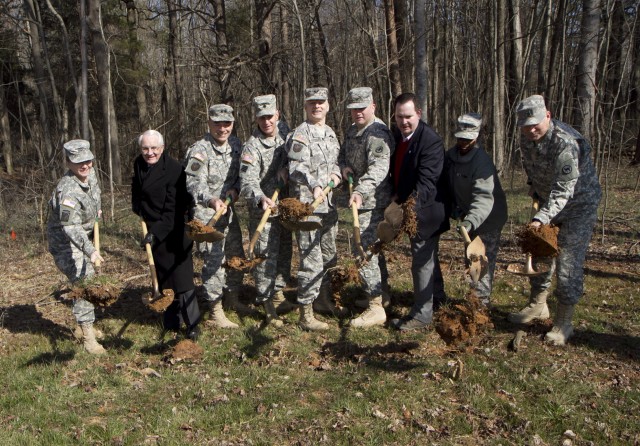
<point>468,126</point>
<point>531,110</point>
<point>316,94</point>
<point>221,113</point>
<point>77,150</point>
<point>264,105</point>
<point>360,97</point>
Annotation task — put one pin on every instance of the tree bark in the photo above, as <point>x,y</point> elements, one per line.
<point>5,131</point>
<point>174,51</point>
<point>392,49</point>
<point>587,63</point>
<point>421,69</point>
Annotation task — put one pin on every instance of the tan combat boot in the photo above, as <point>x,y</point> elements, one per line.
<point>386,300</point>
<point>324,305</point>
<point>271,315</point>
<point>218,318</point>
<point>537,309</point>
<point>77,333</point>
<point>308,322</point>
<point>89,340</point>
<point>374,315</point>
<point>232,302</point>
<point>562,328</point>
<point>281,303</point>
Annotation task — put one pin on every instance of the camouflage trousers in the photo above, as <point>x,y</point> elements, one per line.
<point>274,244</point>
<point>491,242</point>
<point>76,266</point>
<point>374,273</point>
<point>573,242</point>
<point>317,250</point>
<point>234,248</point>
<point>214,276</point>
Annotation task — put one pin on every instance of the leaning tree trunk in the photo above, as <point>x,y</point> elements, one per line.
<point>392,49</point>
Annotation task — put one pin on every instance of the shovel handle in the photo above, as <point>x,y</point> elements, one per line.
<point>263,222</point>
<point>535,206</point>
<point>96,241</point>
<point>465,235</point>
<point>152,265</point>
<point>318,200</point>
<point>219,212</point>
<point>356,221</point>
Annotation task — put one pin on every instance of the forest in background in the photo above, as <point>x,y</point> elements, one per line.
<point>107,70</point>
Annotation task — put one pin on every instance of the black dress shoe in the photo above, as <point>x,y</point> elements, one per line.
<point>407,323</point>
<point>193,333</point>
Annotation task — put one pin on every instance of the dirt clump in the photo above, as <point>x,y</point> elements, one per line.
<point>245,265</point>
<point>185,350</point>
<point>539,242</point>
<point>341,277</point>
<point>462,321</point>
<point>197,227</point>
<point>158,304</point>
<point>100,295</point>
<point>409,217</point>
<point>293,209</point>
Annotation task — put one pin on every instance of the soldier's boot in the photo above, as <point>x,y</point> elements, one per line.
<point>386,300</point>
<point>281,303</point>
<point>218,319</point>
<point>308,322</point>
<point>232,302</point>
<point>324,305</point>
<point>536,309</point>
<point>562,328</point>
<point>77,333</point>
<point>374,315</point>
<point>271,315</point>
<point>89,340</point>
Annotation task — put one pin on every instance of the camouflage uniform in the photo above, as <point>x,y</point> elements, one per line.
<point>73,209</point>
<point>261,159</point>
<point>313,156</point>
<point>212,171</point>
<point>367,152</point>
<point>562,176</point>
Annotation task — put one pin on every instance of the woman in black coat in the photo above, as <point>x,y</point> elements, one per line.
<point>159,196</point>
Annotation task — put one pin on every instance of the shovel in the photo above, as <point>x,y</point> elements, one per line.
<point>263,222</point>
<point>356,222</point>
<point>304,224</point>
<point>476,254</point>
<point>155,300</point>
<point>527,268</point>
<point>96,241</point>
<point>212,235</point>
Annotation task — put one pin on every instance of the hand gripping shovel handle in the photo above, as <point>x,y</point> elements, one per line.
<point>152,265</point>
<point>263,221</point>
<point>318,200</point>
<point>96,240</point>
<point>356,221</point>
<point>465,235</point>
<point>219,212</point>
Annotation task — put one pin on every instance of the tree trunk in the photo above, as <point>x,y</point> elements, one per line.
<point>392,49</point>
<point>544,46</point>
<point>421,72</point>
<point>134,60</point>
<point>174,51</point>
<point>285,105</point>
<point>587,63</point>
<point>220,30</point>
<point>84,101</point>
<point>5,131</point>
<point>516,64</point>
<point>499,84</point>
<point>556,69</point>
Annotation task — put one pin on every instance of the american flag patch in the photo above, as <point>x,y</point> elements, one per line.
<point>69,203</point>
<point>199,156</point>
<point>246,158</point>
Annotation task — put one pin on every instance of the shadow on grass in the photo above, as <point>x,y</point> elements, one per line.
<point>259,341</point>
<point>48,358</point>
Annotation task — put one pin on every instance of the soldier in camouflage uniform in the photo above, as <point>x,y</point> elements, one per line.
<point>312,150</point>
<point>365,155</point>
<point>74,207</point>
<point>263,156</point>
<point>562,178</point>
<point>478,198</point>
<point>212,166</point>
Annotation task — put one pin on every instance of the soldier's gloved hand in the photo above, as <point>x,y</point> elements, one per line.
<point>394,215</point>
<point>466,224</point>
<point>150,239</point>
<point>96,257</point>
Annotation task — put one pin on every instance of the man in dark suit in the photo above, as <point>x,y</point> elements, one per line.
<point>159,196</point>
<point>416,170</point>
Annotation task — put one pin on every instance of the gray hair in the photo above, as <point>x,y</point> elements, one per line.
<point>155,133</point>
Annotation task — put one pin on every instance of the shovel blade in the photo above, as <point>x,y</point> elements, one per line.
<point>209,237</point>
<point>302,225</point>
<point>522,270</point>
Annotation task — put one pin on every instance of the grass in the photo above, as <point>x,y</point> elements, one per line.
<point>346,387</point>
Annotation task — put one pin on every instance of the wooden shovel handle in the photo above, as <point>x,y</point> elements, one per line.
<point>356,220</point>
<point>152,265</point>
<point>263,221</point>
<point>318,200</point>
<point>465,235</point>
<point>535,206</point>
<point>219,212</point>
<point>96,241</point>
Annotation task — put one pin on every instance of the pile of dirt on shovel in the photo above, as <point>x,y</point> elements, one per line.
<point>100,295</point>
<point>462,321</point>
<point>161,303</point>
<point>293,209</point>
<point>341,277</point>
<point>539,242</point>
<point>197,227</point>
<point>245,265</point>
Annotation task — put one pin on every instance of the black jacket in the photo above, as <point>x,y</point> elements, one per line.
<point>159,195</point>
<point>421,175</point>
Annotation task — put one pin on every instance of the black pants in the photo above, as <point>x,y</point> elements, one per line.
<point>183,309</point>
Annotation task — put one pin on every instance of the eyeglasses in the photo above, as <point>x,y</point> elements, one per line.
<point>152,149</point>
